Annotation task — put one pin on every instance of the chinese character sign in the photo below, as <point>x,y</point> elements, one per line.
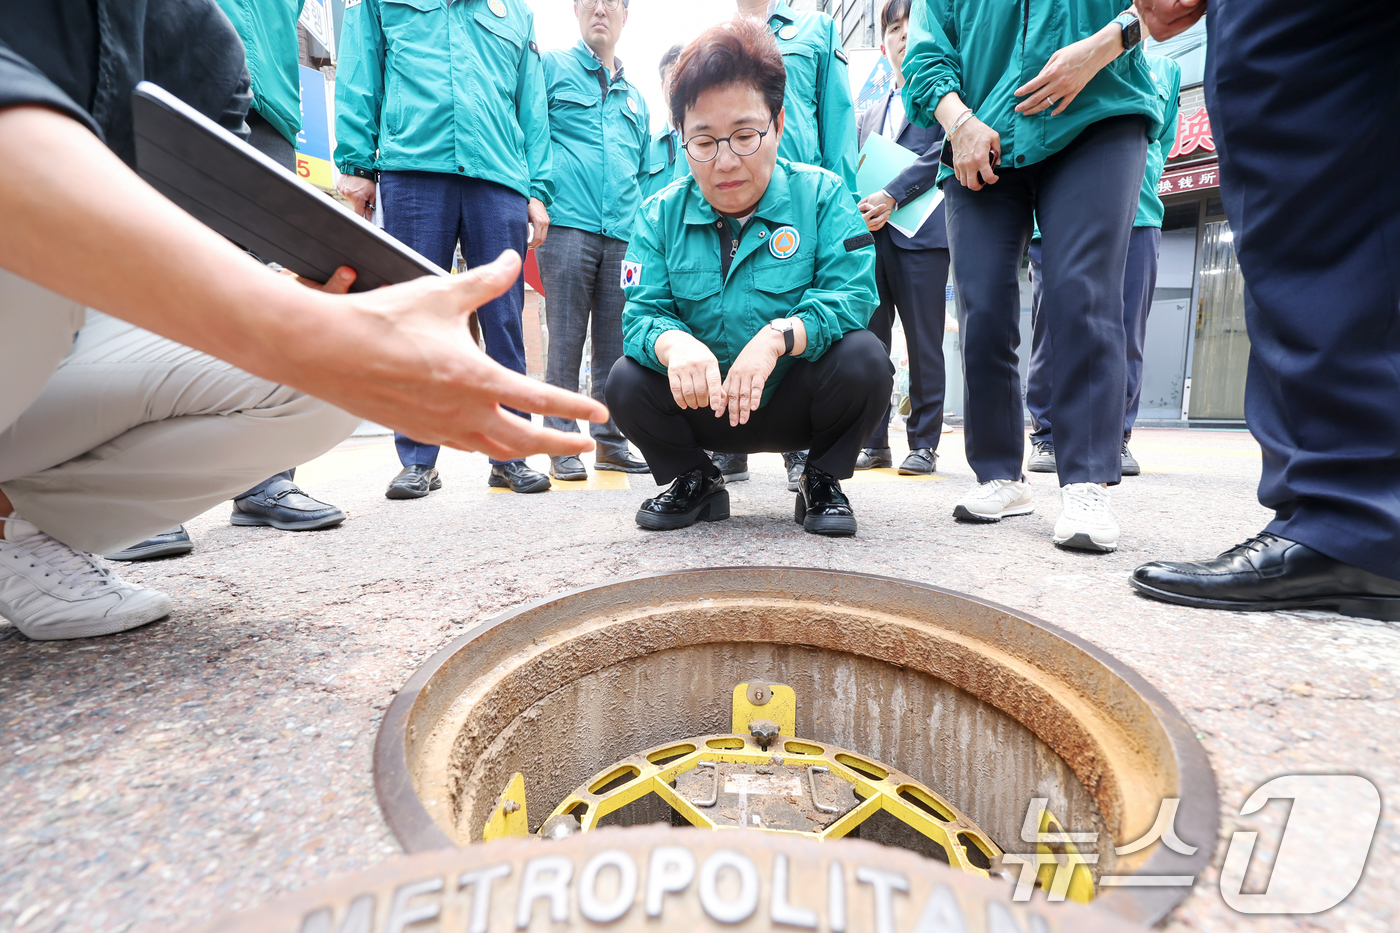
<point>1192,133</point>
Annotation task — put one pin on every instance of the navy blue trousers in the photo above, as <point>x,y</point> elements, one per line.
<point>1085,198</point>
<point>914,282</point>
<point>432,212</point>
<point>1139,284</point>
<point>1304,106</point>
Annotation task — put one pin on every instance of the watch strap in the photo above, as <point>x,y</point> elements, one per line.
<point>789,339</point>
<point>368,173</point>
<point>1132,28</point>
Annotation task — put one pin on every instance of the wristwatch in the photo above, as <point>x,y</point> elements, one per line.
<point>368,173</point>
<point>1131,26</point>
<point>784,327</point>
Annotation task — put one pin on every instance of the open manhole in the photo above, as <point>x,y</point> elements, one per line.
<point>930,720</point>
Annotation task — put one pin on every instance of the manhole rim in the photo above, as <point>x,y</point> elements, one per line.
<point>1197,818</point>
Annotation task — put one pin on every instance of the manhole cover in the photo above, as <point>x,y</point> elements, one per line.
<point>666,879</point>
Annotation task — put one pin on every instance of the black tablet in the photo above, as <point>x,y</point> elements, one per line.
<point>256,203</point>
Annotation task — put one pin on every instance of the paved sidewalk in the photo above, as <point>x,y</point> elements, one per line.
<point>211,761</point>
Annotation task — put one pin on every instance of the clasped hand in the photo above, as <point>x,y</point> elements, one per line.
<point>695,382</point>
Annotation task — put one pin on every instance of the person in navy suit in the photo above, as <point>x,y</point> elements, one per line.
<point>911,272</point>
<point>1303,105</point>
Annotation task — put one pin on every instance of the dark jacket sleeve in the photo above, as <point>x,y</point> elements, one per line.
<point>193,51</point>
<point>21,84</point>
<point>919,177</point>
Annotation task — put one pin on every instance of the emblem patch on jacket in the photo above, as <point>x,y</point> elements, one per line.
<point>788,32</point>
<point>631,273</point>
<point>784,242</point>
<point>497,6</point>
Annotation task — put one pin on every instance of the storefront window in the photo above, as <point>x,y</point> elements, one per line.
<point>1222,344</point>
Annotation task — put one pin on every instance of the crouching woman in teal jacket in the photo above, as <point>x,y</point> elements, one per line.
<point>748,291</point>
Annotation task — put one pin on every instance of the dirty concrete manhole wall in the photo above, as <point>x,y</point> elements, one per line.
<point>987,707</point>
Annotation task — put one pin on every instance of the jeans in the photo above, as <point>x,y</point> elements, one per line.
<point>1085,198</point>
<point>582,277</point>
<point>432,212</point>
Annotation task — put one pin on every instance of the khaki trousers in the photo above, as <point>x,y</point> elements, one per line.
<point>120,434</point>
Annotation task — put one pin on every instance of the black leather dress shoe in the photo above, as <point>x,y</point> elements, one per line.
<point>569,469</point>
<point>518,477</point>
<point>922,461</point>
<point>694,496</point>
<point>1268,572</point>
<point>735,467</point>
<point>822,508</point>
<point>283,505</point>
<point>619,461</point>
<point>875,458</point>
<point>795,462</point>
<point>413,482</point>
<point>166,544</point>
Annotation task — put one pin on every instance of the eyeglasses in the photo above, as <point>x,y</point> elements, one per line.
<point>742,142</point>
<point>609,5</point>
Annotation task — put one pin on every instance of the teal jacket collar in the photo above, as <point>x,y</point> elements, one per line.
<point>775,206</point>
<point>592,62</point>
<point>783,12</point>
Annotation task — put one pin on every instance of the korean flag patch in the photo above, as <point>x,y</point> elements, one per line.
<point>631,273</point>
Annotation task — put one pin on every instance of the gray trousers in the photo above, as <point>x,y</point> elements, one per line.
<point>120,434</point>
<point>582,277</point>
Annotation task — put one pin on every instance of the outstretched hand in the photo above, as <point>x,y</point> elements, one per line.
<point>407,360</point>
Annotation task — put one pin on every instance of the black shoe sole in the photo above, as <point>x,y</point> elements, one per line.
<point>1383,608</point>
<point>713,508</point>
<point>1131,470</point>
<point>736,477</point>
<point>877,465</point>
<point>569,477</point>
<point>328,521</point>
<point>502,483</point>
<point>832,526</point>
<point>151,553</point>
<point>929,472</point>
<point>615,468</point>
<point>400,491</point>
<point>1041,468</point>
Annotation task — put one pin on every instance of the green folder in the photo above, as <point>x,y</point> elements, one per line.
<point>881,159</point>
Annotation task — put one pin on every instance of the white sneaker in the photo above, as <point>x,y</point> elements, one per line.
<point>994,500</point>
<point>1086,520</point>
<point>50,591</point>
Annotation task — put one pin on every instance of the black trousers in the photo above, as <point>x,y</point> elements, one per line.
<point>1085,198</point>
<point>914,281</point>
<point>829,406</point>
<point>1316,221</point>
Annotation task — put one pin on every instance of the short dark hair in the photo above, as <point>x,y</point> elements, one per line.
<point>895,11</point>
<point>741,51</point>
<point>669,59</point>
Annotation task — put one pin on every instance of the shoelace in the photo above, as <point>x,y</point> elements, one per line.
<point>78,570</point>
<point>1090,501</point>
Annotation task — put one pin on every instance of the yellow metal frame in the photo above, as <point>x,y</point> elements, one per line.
<point>781,708</point>
<point>878,787</point>
<point>509,817</point>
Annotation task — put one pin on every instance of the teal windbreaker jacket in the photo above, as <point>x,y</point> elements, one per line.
<point>452,86</point>
<point>985,50</point>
